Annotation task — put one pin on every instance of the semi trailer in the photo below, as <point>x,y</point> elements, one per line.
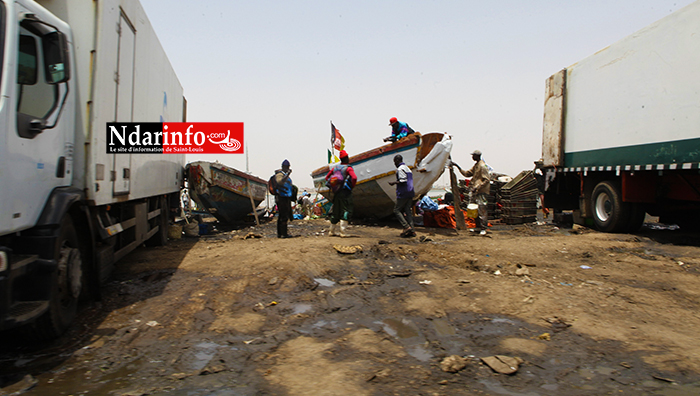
<point>621,130</point>
<point>68,209</point>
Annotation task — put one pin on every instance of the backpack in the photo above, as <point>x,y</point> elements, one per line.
<point>337,179</point>
<point>272,184</point>
<point>410,130</point>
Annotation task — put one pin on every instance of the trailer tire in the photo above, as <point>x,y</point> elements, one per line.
<point>610,214</point>
<point>637,216</point>
<point>66,285</point>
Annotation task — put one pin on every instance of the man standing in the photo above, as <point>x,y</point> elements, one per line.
<point>283,196</point>
<point>480,184</point>
<point>306,205</point>
<point>399,130</point>
<point>404,196</point>
<point>341,180</point>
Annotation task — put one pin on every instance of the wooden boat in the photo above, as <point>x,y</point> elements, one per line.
<point>426,155</point>
<point>225,192</point>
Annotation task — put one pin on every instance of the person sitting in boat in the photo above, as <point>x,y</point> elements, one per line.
<point>399,130</point>
<point>341,180</point>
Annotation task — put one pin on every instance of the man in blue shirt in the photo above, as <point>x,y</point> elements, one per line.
<point>404,196</point>
<point>399,130</point>
<point>283,196</point>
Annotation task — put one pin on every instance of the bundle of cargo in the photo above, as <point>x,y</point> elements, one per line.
<point>519,199</point>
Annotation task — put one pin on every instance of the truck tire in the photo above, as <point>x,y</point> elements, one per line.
<point>66,285</point>
<point>610,214</point>
<point>637,216</point>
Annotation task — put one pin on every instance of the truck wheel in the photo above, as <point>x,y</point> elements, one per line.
<point>637,216</point>
<point>65,286</point>
<point>610,214</point>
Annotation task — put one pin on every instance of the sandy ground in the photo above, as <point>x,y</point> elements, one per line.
<point>586,313</point>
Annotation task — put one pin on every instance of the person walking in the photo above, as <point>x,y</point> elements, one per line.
<point>399,130</point>
<point>404,196</point>
<point>480,185</point>
<point>341,180</point>
<point>283,196</point>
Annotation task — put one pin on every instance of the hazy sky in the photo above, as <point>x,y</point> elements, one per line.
<point>474,69</point>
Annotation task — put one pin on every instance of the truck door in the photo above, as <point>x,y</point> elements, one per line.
<point>125,91</point>
<point>38,140</point>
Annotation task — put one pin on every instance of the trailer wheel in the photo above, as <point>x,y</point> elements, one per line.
<point>610,214</point>
<point>636,219</point>
<point>65,286</point>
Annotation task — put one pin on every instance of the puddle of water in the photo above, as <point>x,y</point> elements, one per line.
<point>680,390</point>
<point>443,327</point>
<point>496,387</point>
<point>204,352</point>
<point>419,353</point>
<point>399,328</point>
<point>503,320</point>
<point>324,282</point>
<point>300,308</point>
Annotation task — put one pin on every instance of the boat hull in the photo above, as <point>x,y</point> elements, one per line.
<point>373,196</point>
<point>225,192</point>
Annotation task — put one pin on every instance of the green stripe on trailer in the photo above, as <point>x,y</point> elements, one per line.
<point>678,152</point>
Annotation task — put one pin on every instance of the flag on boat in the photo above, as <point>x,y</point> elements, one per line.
<point>332,158</point>
<point>337,140</point>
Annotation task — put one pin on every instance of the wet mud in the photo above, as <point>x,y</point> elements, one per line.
<point>587,313</point>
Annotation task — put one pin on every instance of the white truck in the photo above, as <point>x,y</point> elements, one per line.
<point>621,131</point>
<point>69,210</point>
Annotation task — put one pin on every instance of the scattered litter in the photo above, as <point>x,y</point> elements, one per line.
<point>558,324</point>
<point>425,239</point>
<point>272,303</point>
<point>251,235</point>
<point>660,378</point>
<point>681,263</point>
<point>585,267</point>
<point>626,365</point>
<point>464,281</point>
<point>498,272</point>
<point>453,364</point>
<point>152,323</point>
<point>529,299</point>
<point>503,364</point>
<point>565,284</point>
<point>544,337</point>
<point>522,272</point>
<point>425,282</point>
<point>348,249</point>
<point>399,274</point>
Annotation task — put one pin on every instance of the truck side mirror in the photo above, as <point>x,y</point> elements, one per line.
<point>56,57</point>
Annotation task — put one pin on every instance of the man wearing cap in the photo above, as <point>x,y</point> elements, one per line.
<point>399,130</point>
<point>283,196</point>
<point>342,180</point>
<point>404,196</point>
<point>480,184</point>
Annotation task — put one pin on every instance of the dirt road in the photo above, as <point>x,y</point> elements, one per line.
<point>586,313</point>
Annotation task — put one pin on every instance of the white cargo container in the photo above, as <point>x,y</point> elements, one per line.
<point>621,133</point>
<point>69,210</point>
